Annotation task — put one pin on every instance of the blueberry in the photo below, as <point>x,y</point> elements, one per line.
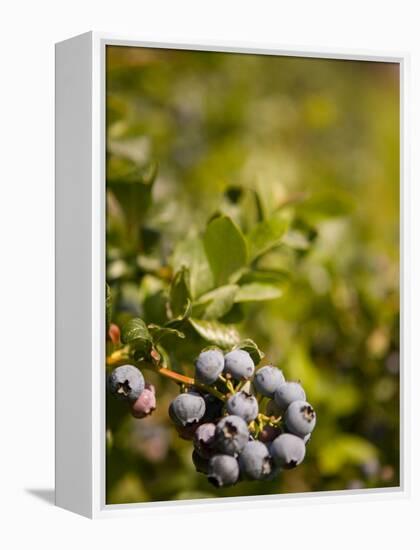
<point>239,365</point>
<point>267,380</point>
<point>187,432</point>
<point>126,382</point>
<point>244,405</point>
<point>209,365</point>
<point>231,434</point>
<point>268,433</point>
<point>254,460</point>
<point>287,393</point>
<point>204,439</point>
<point>187,408</point>
<point>145,404</point>
<point>272,409</point>
<point>288,451</point>
<point>201,464</point>
<point>214,408</point>
<point>300,418</point>
<point>223,470</point>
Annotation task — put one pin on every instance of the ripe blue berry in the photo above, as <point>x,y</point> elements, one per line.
<point>214,408</point>
<point>244,405</point>
<point>145,404</point>
<point>231,434</point>
<point>267,380</point>
<point>268,433</point>
<point>287,451</point>
<point>287,393</point>
<point>187,432</point>
<point>300,418</point>
<point>204,439</point>
<point>187,408</point>
<point>239,364</point>
<point>201,464</point>
<point>209,365</point>
<point>223,470</point>
<point>126,382</point>
<point>254,460</point>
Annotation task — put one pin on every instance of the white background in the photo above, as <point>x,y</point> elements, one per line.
<point>28,32</point>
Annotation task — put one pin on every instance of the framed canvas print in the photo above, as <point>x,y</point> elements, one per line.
<point>229,273</point>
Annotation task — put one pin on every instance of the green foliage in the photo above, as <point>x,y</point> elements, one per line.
<point>189,253</point>
<point>179,293</point>
<point>266,235</point>
<point>226,249</point>
<point>137,335</point>
<point>218,334</point>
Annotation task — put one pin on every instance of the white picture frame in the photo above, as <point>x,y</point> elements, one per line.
<point>80,276</point>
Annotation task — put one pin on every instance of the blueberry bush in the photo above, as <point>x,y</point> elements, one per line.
<point>252,275</point>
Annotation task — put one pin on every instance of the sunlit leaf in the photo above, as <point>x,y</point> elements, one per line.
<point>158,333</point>
<point>256,292</point>
<point>137,335</point>
<point>325,204</point>
<point>179,293</point>
<point>225,247</point>
<point>190,253</point>
<point>224,336</point>
<point>218,302</point>
<point>265,235</point>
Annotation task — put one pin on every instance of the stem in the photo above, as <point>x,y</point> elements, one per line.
<point>176,376</point>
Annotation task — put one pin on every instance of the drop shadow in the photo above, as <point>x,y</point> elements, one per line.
<point>47,495</point>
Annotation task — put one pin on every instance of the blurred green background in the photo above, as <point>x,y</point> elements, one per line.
<point>318,136</point>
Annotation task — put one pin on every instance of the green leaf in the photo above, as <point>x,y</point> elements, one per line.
<point>225,247</point>
<point>178,321</point>
<point>179,294</point>
<point>342,450</point>
<point>133,190</point>
<point>190,253</point>
<point>136,334</point>
<point>270,276</point>
<point>266,235</point>
<point>218,302</point>
<point>218,334</point>
<point>158,333</point>
<point>257,292</point>
<point>324,205</point>
<point>297,240</point>
<point>251,347</point>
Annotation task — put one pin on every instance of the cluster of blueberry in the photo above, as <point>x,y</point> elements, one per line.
<point>127,383</point>
<point>244,425</point>
<point>247,427</point>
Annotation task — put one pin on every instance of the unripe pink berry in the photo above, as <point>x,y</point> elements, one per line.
<point>114,334</point>
<point>150,387</point>
<point>145,404</point>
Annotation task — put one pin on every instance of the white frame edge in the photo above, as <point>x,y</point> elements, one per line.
<point>80,188</point>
